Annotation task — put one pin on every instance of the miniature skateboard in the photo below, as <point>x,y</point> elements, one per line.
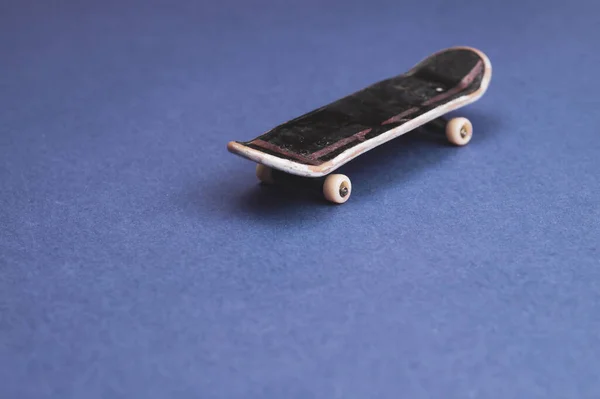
<point>311,146</point>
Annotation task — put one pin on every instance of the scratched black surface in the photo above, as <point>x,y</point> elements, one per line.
<point>370,106</point>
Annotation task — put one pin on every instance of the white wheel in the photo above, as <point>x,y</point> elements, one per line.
<point>337,188</point>
<point>459,131</point>
<point>264,174</point>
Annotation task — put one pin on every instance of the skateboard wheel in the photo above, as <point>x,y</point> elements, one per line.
<point>337,188</point>
<point>459,131</point>
<point>264,174</point>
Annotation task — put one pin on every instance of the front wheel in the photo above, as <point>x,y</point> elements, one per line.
<point>459,131</point>
<point>337,188</point>
<point>264,174</point>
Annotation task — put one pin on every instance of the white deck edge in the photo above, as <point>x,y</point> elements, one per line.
<point>325,168</point>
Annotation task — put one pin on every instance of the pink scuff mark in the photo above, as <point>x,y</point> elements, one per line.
<point>467,80</point>
<point>400,116</point>
<point>360,136</point>
<point>272,147</point>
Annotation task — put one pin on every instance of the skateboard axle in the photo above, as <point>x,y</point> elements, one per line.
<point>343,191</point>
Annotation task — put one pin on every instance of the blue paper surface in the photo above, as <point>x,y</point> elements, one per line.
<point>138,258</point>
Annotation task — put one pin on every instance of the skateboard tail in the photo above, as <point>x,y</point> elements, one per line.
<point>272,161</point>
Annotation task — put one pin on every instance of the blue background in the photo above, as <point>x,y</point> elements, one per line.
<point>140,259</point>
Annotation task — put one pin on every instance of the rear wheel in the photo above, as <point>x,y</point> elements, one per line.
<point>337,188</point>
